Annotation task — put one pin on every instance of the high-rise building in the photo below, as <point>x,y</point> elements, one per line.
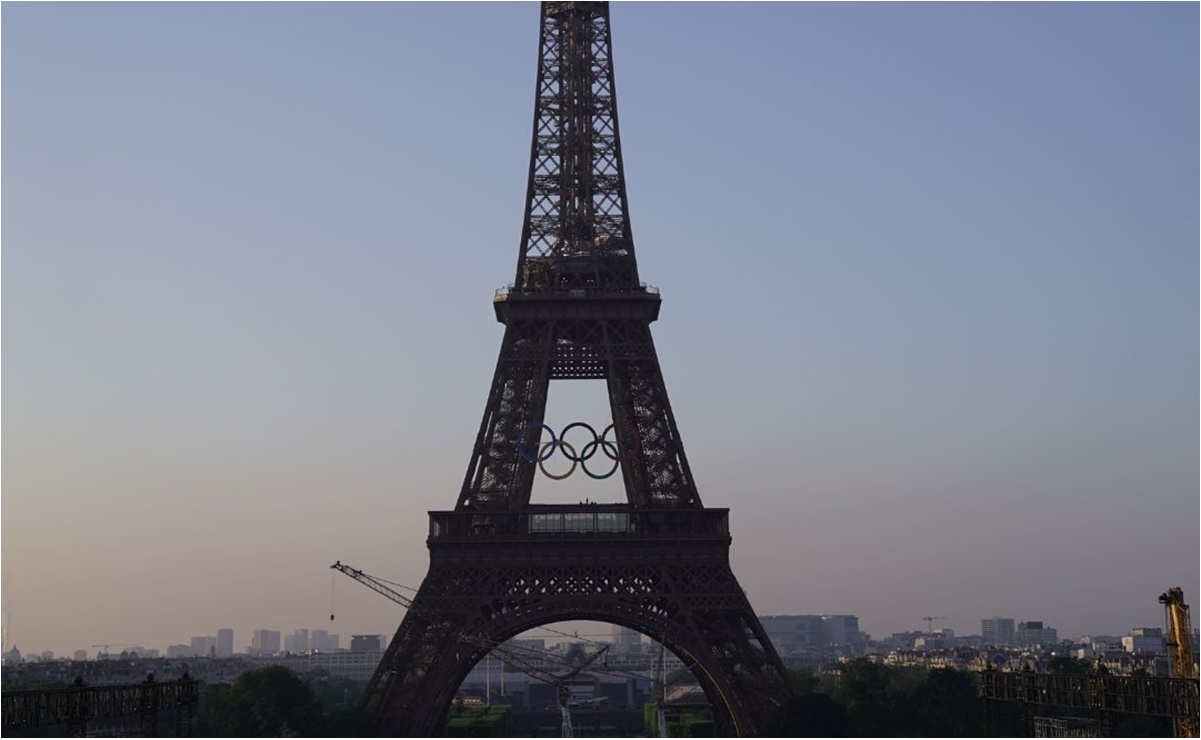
<point>1032,634</point>
<point>997,631</point>
<point>626,640</point>
<point>301,638</point>
<point>204,646</point>
<point>790,633</point>
<point>842,629</point>
<point>225,642</point>
<point>81,655</point>
<point>264,642</point>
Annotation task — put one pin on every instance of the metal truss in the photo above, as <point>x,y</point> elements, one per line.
<point>1164,697</point>
<point>619,351</point>
<point>576,231</point>
<point>500,565</point>
<point>76,706</point>
<point>485,587</point>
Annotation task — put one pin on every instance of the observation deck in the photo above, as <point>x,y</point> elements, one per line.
<point>580,523</point>
<point>587,303</point>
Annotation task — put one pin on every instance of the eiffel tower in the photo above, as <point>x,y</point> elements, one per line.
<point>499,565</point>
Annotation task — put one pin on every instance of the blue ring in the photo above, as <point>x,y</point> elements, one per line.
<point>554,443</point>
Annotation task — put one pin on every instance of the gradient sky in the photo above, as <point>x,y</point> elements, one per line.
<point>930,321</point>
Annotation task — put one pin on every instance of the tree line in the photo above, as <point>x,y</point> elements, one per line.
<point>861,699</point>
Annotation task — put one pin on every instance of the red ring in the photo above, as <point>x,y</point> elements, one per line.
<point>628,454</point>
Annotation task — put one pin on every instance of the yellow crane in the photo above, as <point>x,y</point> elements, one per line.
<point>1181,657</point>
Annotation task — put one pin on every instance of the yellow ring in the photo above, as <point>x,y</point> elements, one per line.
<point>572,457</point>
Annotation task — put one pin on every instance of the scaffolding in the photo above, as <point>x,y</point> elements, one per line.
<point>1098,693</point>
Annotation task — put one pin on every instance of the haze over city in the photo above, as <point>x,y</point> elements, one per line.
<point>929,280</point>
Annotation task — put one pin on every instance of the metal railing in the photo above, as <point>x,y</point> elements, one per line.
<point>75,706</point>
<point>582,520</point>
<point>1153,695</point>
<point>504,292</point>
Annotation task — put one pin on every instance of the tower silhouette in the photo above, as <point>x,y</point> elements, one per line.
<point>500,565</point>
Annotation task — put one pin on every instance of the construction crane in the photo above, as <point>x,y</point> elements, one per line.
<point>556,680</point>
<point>930,623</point>
<point>1181,657</point>
<point>512,658</point>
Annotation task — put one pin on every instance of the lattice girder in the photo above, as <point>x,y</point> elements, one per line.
<point>576,209</point>
<point>577,311</point>
<point>688,599</point>
<point>618,350</point>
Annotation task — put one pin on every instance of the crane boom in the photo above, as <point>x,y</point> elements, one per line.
<point>375,584</point>
<point>1181,657</point>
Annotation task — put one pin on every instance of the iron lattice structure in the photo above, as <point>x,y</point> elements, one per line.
<point>39,711</point>
<point>500,565</point>
<point>1101,693</point>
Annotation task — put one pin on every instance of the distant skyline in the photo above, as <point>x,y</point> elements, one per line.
<point>929,277</point>
<point>554,633</point>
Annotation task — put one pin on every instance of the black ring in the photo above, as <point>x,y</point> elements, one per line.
<point>582,457</point>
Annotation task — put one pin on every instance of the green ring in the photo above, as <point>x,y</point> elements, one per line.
<point>585,455</point>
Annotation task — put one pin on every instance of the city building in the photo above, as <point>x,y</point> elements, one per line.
<point>1034,634</point>
<point>81,655</point>
<point>626,640</point>
<point>225,642</point>
<point>323,640</point>
<point>997,631</point>
<point>204,646</point>
<point>793,633</point>
<point>842,629</point>
<point>264,642</point>
<point>366,644</point>
<point>1144,640</point>
<point>796,634</point>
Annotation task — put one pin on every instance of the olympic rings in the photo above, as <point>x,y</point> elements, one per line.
<point>624,447</point>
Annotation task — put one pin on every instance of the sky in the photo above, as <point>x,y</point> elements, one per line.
<point>929,325</point>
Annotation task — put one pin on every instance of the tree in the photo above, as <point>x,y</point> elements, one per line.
<point>265,702</point>
<point>946,705</point>
<point>802,680</point>
<point>809,715</point>
<point>863,688</point>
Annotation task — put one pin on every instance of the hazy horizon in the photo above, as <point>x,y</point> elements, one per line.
<point>929,325</point>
